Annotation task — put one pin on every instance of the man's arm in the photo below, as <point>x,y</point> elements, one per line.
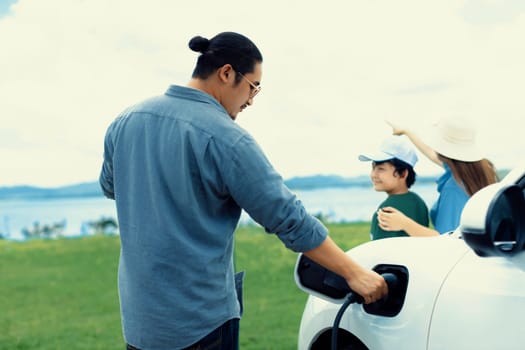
<point>367,283</point>
<point>260,191</point>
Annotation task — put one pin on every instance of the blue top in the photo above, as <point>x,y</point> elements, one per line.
<point>446,212</point>
<point>180,170</point>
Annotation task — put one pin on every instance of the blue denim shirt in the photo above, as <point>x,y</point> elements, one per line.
<point>446,212</point>
<point>180,170</point>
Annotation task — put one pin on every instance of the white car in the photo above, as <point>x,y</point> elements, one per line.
<point>459,291</point>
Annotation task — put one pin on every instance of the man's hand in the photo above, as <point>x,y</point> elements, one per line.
<point>368,284</point>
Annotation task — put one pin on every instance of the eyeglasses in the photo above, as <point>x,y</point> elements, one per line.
<point>254,89</point>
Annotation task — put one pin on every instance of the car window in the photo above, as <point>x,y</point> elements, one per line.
<point>521,184</point>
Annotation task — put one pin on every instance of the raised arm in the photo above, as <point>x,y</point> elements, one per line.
<point>423,147</point>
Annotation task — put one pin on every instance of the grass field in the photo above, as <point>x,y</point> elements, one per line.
<point>62,294</point>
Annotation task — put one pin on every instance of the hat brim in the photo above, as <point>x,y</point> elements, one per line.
<point>461,152</point>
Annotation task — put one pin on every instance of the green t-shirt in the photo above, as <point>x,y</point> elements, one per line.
<point>409,204</point>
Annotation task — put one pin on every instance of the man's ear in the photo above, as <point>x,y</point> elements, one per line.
<point>225,73</point>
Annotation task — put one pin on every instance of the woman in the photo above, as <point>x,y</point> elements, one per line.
<point>466,172</point>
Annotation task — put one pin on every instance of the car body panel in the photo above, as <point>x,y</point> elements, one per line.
<point>464,291</point>
<point>490,314</point>
<point>427,267</point>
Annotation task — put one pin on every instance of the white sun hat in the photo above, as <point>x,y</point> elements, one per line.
<point>455,138</point>
<point>392,147</point>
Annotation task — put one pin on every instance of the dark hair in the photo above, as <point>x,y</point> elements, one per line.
<point>224,48</point>
<point>472,175</point>
<point>400,168</point>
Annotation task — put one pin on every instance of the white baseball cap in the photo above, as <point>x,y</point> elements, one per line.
<point>392,147</point>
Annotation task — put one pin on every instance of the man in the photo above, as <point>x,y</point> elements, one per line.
<point>180,170</point>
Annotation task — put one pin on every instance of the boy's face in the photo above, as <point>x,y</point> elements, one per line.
<point>385,178</point>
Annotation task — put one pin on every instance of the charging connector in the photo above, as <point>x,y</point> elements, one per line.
<point>325,284</point>
<point>393,283</point>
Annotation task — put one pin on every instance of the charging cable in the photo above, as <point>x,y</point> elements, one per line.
<point>350,299</point>
<point>390,279</point>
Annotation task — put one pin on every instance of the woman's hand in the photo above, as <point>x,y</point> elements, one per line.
<point>391,219</point>
<point>396,129</point>
<point>421,146</point>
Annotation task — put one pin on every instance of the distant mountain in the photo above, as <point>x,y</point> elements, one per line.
<point>88,189</point>
<point>335,181</point>
<point>324,181</point>
<point>92,189</point>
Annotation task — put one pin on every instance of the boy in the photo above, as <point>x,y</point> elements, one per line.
<point>393,173</point>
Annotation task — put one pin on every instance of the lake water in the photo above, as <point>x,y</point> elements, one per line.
<point>336,204</point>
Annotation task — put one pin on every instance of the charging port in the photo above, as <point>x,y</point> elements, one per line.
<point>392,304</point>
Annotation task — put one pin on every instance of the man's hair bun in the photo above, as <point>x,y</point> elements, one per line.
<point>199,44</point>
<point>224,48</point>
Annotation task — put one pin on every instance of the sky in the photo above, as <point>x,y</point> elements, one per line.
<point>333,72</point>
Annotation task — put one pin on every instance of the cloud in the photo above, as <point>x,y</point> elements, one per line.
<point>492,12</point>
<point>332,74</point>
<point>430,88</point>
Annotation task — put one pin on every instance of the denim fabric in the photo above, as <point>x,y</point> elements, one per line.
<point>181,170</point>
<point>239,280</point>
<point>225,337</point>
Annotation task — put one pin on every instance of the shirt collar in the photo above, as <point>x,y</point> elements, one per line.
<point>194,94</point>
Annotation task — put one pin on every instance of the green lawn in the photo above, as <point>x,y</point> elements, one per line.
<point>62,294</point>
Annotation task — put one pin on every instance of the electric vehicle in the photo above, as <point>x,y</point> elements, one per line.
<point>462,290</point>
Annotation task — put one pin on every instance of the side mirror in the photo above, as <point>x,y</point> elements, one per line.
<point>493,220</point>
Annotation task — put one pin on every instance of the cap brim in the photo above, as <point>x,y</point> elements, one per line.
<point>377,157</point>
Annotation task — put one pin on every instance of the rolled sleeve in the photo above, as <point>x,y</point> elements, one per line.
<point>307,235</point>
